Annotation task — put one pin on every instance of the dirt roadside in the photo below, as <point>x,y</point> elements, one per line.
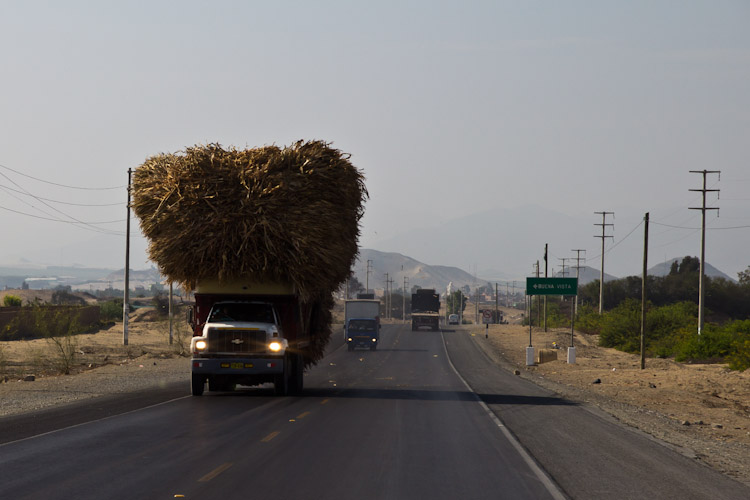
<point>703,411</point>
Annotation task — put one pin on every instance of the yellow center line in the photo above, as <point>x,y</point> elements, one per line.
<point>215,472</point>
<point>303,415</point>
<point>270,436</point>
<point>324,401</point>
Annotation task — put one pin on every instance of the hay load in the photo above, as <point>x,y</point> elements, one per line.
<point>270,214</point>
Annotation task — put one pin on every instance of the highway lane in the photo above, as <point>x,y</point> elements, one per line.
<point>394,423</point>
<point>586,452</point>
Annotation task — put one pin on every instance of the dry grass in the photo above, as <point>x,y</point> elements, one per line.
<point>269,214</point>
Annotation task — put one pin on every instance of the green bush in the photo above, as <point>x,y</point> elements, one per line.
<point>621,327</point>
<point>713,345</point>
<point>111,310</point>
<point>589,320</point>
<point>12,301</point>
<point>739,359</point>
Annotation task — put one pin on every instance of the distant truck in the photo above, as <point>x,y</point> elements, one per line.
<point>248,334</point>
<point>362,323</point>
<point>425,309</point>
<point>453,319</point>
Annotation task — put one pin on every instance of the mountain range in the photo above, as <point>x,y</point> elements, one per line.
<point>401,270</point>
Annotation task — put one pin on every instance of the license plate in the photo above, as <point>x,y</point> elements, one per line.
<point>236,366</point>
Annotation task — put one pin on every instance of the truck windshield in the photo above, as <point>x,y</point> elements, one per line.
<point>239,311</point>
<point>361,325</point>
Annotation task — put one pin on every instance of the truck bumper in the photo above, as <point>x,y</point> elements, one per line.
<point>237,366</point>
<point>362,341</point>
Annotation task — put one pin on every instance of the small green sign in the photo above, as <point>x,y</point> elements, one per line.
<point>551,286</point>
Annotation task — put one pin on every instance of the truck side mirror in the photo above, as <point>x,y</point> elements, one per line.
<point>190,317</point>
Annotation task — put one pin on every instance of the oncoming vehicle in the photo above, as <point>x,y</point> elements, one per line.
<point>362,333</point>
<point>453,319</point>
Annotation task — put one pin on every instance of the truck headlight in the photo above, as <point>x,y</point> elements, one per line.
<point>275,346</point>
<point>201,345</point>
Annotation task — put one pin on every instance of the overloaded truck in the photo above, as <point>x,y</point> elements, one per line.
<point>249,334</point>
<point>263,237</point>
<point>425,309</point>
<point>362,323</point>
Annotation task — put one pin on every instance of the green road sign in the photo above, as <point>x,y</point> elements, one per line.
<point>551,286</point>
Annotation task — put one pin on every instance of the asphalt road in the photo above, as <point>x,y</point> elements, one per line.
<point>395,423</point>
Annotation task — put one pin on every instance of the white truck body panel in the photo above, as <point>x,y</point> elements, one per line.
<point>361,309</point>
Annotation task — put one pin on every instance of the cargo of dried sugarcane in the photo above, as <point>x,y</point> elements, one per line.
<point>268,214</point>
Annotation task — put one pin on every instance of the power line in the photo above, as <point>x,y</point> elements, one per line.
<point>62,185</point>
<point>74,222</point>
<point>62,202</point>
<point>50,206</point>
<point>698,229</point>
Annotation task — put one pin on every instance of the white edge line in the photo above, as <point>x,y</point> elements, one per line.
<point>548,483</point>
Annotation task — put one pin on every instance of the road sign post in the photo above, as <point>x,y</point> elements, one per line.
<point>552,286</point>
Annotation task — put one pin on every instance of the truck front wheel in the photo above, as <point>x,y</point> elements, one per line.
<point>297,381</point>
<point>197,384</point>
<point>281,381</point>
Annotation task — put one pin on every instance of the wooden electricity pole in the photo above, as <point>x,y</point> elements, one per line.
<point>643,294</point>
<point>703,208</point>
<point>601,272</point>
<point>126,298</point>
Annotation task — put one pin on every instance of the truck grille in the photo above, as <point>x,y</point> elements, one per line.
<point>232,340</point>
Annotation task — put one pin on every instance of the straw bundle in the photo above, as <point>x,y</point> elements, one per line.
<point>270,214</point>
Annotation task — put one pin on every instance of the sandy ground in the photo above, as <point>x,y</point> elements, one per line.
<point>703,411</point>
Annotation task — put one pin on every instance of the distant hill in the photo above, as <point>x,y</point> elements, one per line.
<point>662,269</point>
<point>438,276</point>
<point>399,266</point>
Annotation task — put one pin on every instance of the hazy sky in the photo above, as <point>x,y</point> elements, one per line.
<point>450,108</point>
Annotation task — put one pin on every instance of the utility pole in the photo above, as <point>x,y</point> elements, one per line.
<point>367,276</point>
<point>476,305</point>
<point>390,298</point>
<point>171,316</point>
<point>545,297</point>
<point>126,298</point>
<point>403,312</point>
<point>497,311</point>
<point>538,303</point>
<point>643,294</point>
<point>601,272</point>
<point>385,296</point>
<point>563,273</point>
<point>703,208</point>
<point>578,272</point>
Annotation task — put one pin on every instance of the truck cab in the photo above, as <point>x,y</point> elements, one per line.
<point>362,332</point>
<point>246,336</point>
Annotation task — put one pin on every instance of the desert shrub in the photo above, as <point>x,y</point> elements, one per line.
<point>111,310</point>
<point>12,301</point>
<point>714,344</point>
<point>588,319</point>
<point>666,326</point>
<point>161,304</point>
<point>66,297</point>
<point>621,327</point>
<point>57,326</point>
<point>739,359</point>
